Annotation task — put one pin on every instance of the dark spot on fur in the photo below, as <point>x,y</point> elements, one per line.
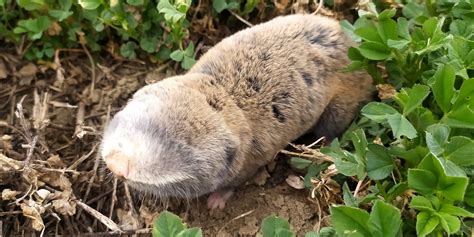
<point>205,69</point>
<point>278,114</point>
<point>214,103</point>
<point>230,154</point>
<point>257,145</point>
<point>321,37</point>
<point>254,84</point>
<point>264,56</point>
<point>281,98</point>
<point>308,79</point>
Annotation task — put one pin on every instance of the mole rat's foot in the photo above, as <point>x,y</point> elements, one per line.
<point>218,199</point>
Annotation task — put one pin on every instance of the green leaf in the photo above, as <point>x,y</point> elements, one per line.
<point>128,50</point>
<point>425,223</point>
<point>413,10</point>
<point>360,143</point>
<point>187,62</point>
<point>450,224</point>
<point>34,27</point>
<point>431,177</point>
<point>421,203</point>
<point>90,4</point>
<point>345,162</point>
<point>469,197</point>
<point>403,30</point>
<point>387,29</point>
<point>348,28</point>
<point>350,220</point>
<point>272,224</point>
<point>387,14</point>
<point>455,211</point>
<point>385,220</point>
<point>460,150</point>
<point>396,191</point>
<point>374,51</point>
<point>31,5</point>
<point>349,199</point>
<point>219,5</point>
<point>60,15</point>
<point>443,86</point>
<point>436,137</point>
<point>430,26</point>
<point>299,163</point>
<point>177,55</point>
<point>379,162</point>
<point>397,44</point>
<point>415,96</point>
<point>136,2</point>
<point>149,44</point>
<point>191,232</point>
<point>167,224</point>
<point>466,94</point>
<point>369,33</point>
<point>324,232</point>
<point>378,111</point>
<point>422,180</point>
<point>401,126</point>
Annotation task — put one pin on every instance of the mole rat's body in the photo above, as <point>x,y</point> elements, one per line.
<point>244,100</point>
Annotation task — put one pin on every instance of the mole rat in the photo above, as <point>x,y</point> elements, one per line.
<point>244,100</point>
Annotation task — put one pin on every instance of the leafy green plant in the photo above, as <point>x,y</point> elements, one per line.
<point>158,29</point>
<point>274,226</point>
<point>417,145</point>
<point>168,224</point>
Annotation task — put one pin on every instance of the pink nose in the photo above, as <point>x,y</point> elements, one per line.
<point>118,164</point>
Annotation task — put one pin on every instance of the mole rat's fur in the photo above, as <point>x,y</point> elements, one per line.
<point>243,101</point>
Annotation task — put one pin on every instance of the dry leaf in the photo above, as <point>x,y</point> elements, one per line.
<point>54,29</point>
<point>56,161</point>
<point>3,70</point>
<point>43,194</point>
<point>33,211</point>
<point>147,215</point>
<point>295,182</point>
<point>28,70</point>
<point>261,177</point>
<point>40,111</point>
<point>64,206</point>
<point>8,194</point>
<point>386,91</point>
<point>128,220</point>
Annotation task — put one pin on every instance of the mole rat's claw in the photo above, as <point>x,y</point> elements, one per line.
<point>218,199</point>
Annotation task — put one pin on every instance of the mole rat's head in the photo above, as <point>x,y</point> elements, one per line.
<point>168,141</point>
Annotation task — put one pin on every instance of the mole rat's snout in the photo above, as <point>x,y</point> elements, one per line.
<point>118,163</point>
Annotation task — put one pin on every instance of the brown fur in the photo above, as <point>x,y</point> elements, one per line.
<point>242,102</point>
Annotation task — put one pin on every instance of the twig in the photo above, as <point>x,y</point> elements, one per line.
<point>113,233</point>
<point>316,142</point>
<point>320,157</point>
<point>91,181</point>
<point>80,120</point>
<point>91,60</point>
<point>114,197</point>
<point>236,218</point>
<point>241,19</point>
<point>320,5</point>
<point>83,158</point>
<point>100,217</point>
<point>129,198</point>
<point>357,188</point>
